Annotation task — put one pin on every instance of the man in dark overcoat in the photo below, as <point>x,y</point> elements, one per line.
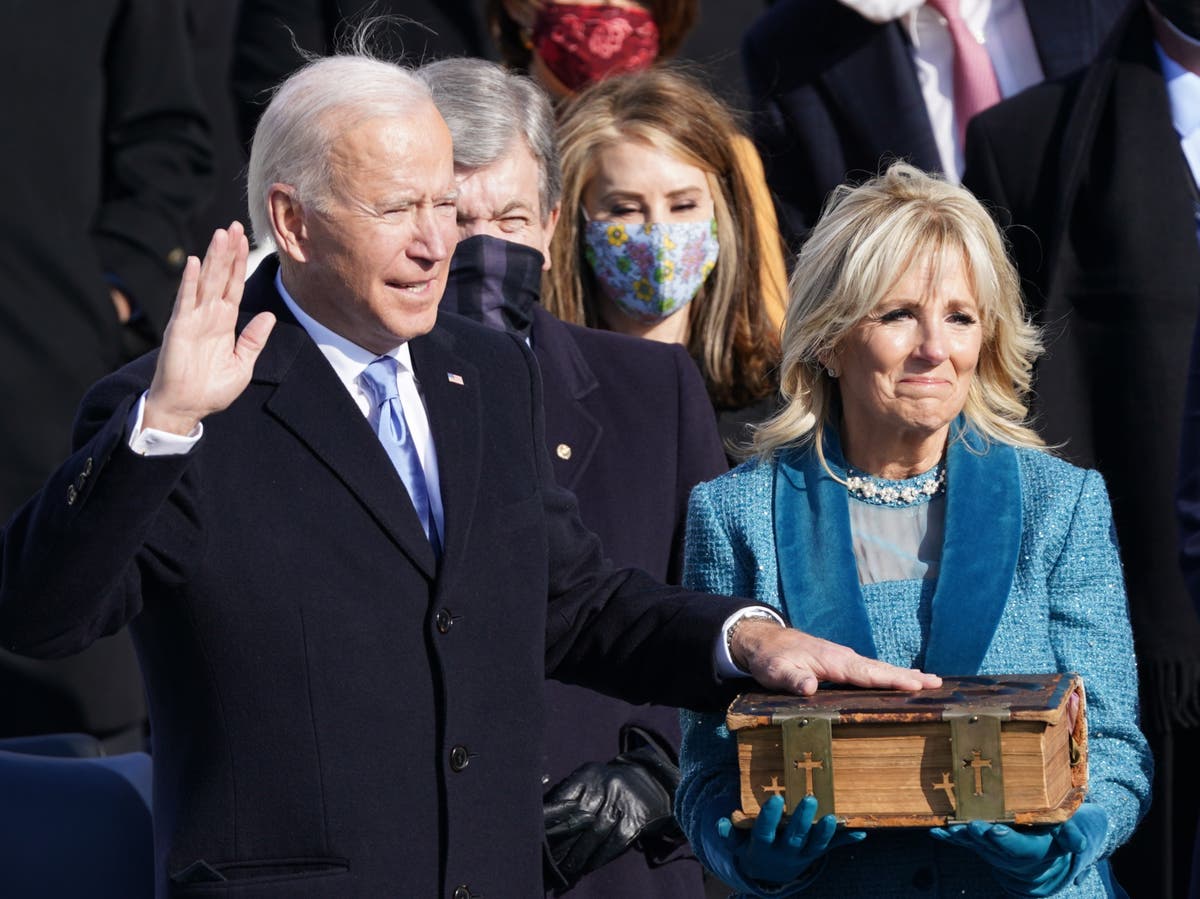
<point>630,431</point>
<point>836,94</point>
<point>331,521</point>
<point>1090,175</point>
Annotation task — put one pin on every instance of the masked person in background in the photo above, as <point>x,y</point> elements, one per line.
<point>629,430</point>
<point>659,237</point>
<point>567,47</point>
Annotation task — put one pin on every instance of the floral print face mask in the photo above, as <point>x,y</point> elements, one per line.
<point>651,271</point>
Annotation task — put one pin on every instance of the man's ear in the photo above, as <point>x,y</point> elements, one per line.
<point>288,226</point>
<point>548,229</point>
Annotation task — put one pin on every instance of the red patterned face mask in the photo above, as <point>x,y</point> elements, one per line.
<point>583,44</point>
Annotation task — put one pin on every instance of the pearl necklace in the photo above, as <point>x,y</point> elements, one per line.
<point>897,494</point>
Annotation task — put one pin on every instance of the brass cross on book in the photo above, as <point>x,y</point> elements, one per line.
<point>775,787</point>
<point>808,765</point>
<point>978,763</point>
<point>947,785</point>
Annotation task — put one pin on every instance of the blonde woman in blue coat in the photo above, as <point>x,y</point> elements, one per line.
<point>901,504</point>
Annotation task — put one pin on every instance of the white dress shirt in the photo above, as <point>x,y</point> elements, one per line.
<point>1001,25</point>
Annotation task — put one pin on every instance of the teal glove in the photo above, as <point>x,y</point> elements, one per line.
<point>1034,861</point>
<point>771,854</point>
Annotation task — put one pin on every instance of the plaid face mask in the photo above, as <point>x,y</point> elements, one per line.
<point>651,271</point>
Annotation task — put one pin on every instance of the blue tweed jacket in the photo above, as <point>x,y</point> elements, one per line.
<point>1029,550</point>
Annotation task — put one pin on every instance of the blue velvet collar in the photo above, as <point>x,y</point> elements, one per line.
<point>819,577</point>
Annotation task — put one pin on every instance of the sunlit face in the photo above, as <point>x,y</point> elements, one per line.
<point>372,267</point>
<point>904,371</point>
<point>636,183</point>
<point>502,200</point>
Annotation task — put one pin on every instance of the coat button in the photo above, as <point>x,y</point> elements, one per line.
<point>923,879</point>
<point>462,891</point>
<point>459,758</point>
<point>87,466</point>
<point>176,257</point>
<point>72,494</point>
<point>563,451</point>
<point>444,621</point>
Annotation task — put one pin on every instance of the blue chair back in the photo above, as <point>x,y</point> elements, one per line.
<point>76,827</point>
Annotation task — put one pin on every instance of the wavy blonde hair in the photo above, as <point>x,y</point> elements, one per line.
<point>862,245</point>
<point>730,334</point>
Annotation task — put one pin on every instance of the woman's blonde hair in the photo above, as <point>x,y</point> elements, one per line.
<point>862,245</point>
<point>730,334</point>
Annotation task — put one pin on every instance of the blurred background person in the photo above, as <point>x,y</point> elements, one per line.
<point>629,430</point>
<point>901,504</point>
<point>274,35</point>
<point>658,236</point>
<point>212,33</point>
<point>106,159</point>
<point>1094,178</point>
<point>840,86</point>
<point>566,47</point>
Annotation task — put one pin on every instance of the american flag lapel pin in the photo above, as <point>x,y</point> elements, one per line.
<point>454,378</point>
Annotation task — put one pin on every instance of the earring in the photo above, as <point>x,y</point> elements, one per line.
<point>830,371</point>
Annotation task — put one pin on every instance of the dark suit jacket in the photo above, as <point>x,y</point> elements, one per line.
<point>630,431</point>
<point>833,93</point>
<point>1090,173</point>
<point>264,56</point>
<point>334,713</point>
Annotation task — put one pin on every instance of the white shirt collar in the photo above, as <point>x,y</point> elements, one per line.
<point>349,360</point>
<point>974,12</point>
<point>880,11</point>
<point>1183,89</point>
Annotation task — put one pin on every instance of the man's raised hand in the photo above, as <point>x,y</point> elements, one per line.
<point>204,365</point>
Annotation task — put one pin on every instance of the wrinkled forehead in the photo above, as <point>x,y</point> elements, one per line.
<point>512,179</point>
<point>412,144</point>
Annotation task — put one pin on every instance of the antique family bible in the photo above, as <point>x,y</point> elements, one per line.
<point>1005,748</point>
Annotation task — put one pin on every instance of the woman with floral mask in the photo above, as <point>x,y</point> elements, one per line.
<point>658,236</point>
<point>568,46</point>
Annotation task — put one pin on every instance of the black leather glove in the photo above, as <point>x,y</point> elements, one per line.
<point>599,810</point>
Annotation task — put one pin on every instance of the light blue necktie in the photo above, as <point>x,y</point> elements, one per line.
<point>379,381</point>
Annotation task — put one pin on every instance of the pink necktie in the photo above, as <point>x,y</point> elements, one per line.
<point>975,87</point>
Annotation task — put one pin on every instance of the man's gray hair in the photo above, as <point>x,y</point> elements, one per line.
<point>305,117</point>
<point>487,109</point>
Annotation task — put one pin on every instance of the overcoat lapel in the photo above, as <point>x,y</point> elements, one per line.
<point>1066,34</point>
<point>311,402</point>
<point>876,88</point>
<point>1136,161</point>
<point>819,576</point>
<point>450,385</point>
<point>817,572</point>
<point>566,383</point>
<point>979,553</point>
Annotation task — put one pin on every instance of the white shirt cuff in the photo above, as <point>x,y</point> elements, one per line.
<point>726,669</point>
<point>153,442</point>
